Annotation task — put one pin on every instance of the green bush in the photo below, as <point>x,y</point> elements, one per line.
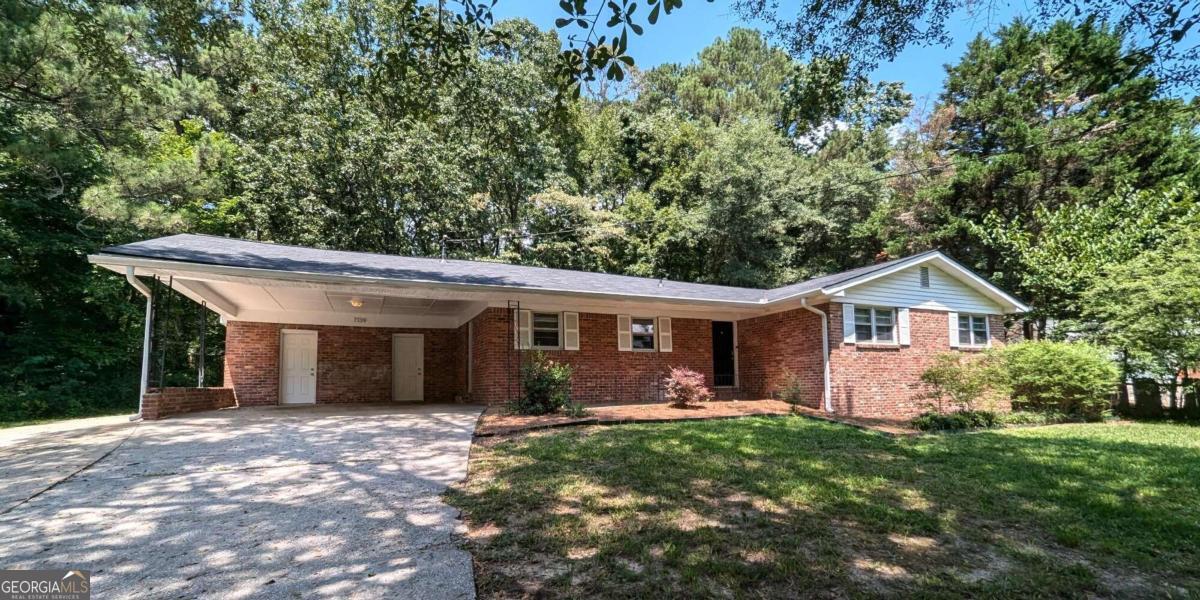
<point>1028,417</point>
<point>959,381</point>
<point>546,386</point>
<point>955,421</point>
<point>1074,379</point>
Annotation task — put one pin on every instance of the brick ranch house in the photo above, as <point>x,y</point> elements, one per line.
<point>305,326</point>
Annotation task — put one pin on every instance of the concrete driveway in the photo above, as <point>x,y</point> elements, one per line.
<point>322,501</point>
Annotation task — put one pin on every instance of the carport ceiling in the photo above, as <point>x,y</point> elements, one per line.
<point>261,298</point>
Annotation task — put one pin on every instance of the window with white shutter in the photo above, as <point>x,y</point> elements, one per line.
<point>546,329</point>
<point>624,333</point>
<point>953,317</point>
<point>522,330</point>
<point>643,333</point>
<point>665,337</point>
<point>570,322</point>
<point>874,325</point>
<point>973,331</point>
<point>848,336</point>
<point>902,327</point>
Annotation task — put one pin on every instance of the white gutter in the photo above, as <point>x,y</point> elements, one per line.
<point>141,287</point>
<point>824,352</point>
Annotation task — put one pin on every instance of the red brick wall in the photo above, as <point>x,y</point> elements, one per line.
<point>602,373</point>
<point>166,402</point>
<point>354,364</point>
<point>884,381</point>
<point>772,348</point>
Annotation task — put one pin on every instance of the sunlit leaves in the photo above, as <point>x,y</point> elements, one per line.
<point>593,54</point>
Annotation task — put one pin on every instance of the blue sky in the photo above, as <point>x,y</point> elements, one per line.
<point>679,37</point>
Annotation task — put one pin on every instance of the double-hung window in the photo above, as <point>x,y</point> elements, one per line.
<point>546,328</point>
<point>642,333</point>
<point>972,330</point>
<point>874,325</point>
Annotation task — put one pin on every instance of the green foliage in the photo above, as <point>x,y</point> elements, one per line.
<point>1149,306</point>
<point>737,76</point>
<point>1032,129</point>
<point>1018,418</point>
<point>963,382</point>
<point>390,127</point>
<point>545,386</point>
<point>868,33</point>
<point>1078,242</point>
<point>958,420</point>
<point>1071,378</point>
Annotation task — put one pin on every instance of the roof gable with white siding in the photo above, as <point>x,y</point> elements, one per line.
<point>903,289</point>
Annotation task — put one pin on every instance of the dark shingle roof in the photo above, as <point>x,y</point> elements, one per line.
<point>220,251</point>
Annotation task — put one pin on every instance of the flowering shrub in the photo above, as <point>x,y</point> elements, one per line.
<point>685,387</point>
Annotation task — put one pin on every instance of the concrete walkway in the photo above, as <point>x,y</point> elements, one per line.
<point>283,503</point>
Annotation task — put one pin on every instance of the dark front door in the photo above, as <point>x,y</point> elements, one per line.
<point>723,369</point>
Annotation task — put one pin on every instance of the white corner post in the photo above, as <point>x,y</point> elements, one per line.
<point>824,352</point>
<point>141,287</point>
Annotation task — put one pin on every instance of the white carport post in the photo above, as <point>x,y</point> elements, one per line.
<point>141,287</point>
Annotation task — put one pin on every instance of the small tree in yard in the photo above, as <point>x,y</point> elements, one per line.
<point>685,387</point>
<point>545,384</point>
<point>1149,307</point>
<point>963,382</point>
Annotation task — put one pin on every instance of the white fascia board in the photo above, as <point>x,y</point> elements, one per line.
<point>978,283</point>
<point>195,270</point>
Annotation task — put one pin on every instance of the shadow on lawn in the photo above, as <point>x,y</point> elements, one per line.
<point>785,507</point>
<point>249,503</point>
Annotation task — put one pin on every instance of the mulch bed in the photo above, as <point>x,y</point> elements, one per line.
<point>496,422</point>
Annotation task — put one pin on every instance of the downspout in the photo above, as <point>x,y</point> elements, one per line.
<point>141,287</point>
<point>824,352</point>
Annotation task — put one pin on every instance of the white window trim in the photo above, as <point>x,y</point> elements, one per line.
<point>874,341</point>
<point>632,335</point>
<point>533,329</point>
<point>987,330</point>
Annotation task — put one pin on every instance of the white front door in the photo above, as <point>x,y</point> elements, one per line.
<point>408,367</point>
<point>298,367</point>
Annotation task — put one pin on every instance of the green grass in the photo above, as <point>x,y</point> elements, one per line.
<point>88,415</point>
<point>787,507</point>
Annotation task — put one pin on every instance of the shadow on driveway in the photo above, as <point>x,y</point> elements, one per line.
<point>328,501</point>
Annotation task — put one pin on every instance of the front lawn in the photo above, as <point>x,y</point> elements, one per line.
<point>787,507</point>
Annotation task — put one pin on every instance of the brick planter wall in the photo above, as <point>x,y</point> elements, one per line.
<point>354,364</point>
<point>167,402</point>
<point>602,373</point>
